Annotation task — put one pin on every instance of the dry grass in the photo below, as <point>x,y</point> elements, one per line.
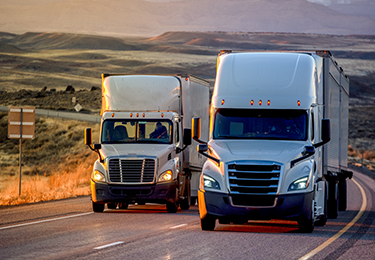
<point>56,164</point>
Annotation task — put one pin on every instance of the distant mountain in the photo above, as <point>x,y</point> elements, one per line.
<point>153,17</point>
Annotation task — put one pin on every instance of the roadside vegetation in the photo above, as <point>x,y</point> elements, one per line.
<point>55,164</point>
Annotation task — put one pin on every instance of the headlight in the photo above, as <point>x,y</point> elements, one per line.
<point>97,176</point>
<point>166,176</point>
<point>209,182</point>
<point>299,184</point>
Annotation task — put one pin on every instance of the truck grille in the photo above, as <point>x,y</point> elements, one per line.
<point>132,171</point>
<point>253,185</point>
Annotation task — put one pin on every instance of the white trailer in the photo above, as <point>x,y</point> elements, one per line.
<point>278,139</point>
<point>144,147</point>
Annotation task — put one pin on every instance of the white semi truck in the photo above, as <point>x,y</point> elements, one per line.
<point>144,153</point>
<point>278,140</point>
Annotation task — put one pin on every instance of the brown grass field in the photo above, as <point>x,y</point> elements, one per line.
<point>36,68</point>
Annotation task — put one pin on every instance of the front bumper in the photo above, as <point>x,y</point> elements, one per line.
<point>156,193</point>
<point>219,205</point>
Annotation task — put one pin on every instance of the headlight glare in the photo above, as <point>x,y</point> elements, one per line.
<point>299,184</point>
<point>97,176</point>
<point>166,176</point>
<point>210,182</point>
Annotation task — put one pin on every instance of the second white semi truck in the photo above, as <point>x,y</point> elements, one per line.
<point>278,140</point>
<point>144,147</point>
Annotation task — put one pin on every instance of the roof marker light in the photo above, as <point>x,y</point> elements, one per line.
<point>252,102</point>
<point>260,102</point>
<point>131,114</point>
<point>137,114</point>
<point>298,103</point>
<point>162,114</point>
<point>222,102</point>
<point>268,102</point>
<point>143,114</point>
<point>113,114</point>
<point>186,79</point>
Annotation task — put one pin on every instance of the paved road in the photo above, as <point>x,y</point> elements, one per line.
<point>67,229</point>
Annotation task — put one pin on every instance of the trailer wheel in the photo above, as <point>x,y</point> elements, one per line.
<point>123,205</point>
<point>342,194</point>
<point>208,223</point>
<point>96,207</point>
<point>185,203</point>
<point>332,205</point>
<point>172,207</point>
<point>111,205</point>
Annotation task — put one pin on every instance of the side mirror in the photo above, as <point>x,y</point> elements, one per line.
<point>202,148</point>
<point>326,133</point>
<point>196,126</point>
<point>326,130</point>
<point>88,136</point>
<point>187,137</point>
<point>308,150</point>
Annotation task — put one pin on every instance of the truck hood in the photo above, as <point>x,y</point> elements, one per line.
<point>135,150</point>
<point>278,151</point>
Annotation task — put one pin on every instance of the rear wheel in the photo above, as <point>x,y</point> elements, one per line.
<point>208,223</point>
<point>172,207</point>
<point>111,205</point>
<point>96,207</point>
<point>123,205</point>
<point>185,203</point>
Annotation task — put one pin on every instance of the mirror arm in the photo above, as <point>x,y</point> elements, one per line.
<point>199,140</point>
<point>97,151</point>
<point>179,150</point>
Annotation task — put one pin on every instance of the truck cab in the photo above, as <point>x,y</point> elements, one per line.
<point>267,135</point>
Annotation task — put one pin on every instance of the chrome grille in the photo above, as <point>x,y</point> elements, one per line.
<point>253,185</point>
<point>131,171</point>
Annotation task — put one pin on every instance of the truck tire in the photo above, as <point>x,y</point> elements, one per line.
<point>185,203</point>
<point>332,205</point>
<point>342,195</point>
<point>96,207</point>
<point>323,219</point>
<point>208,223</point>
<point>123,205</point>
<point>306,224</point>
<point>172,207</point>
<point>111,205</point>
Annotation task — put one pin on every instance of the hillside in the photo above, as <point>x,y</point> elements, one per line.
<point>150,17</point>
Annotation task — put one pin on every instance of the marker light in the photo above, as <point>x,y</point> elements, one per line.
<point>186,79</point>
<point>113,114</point>
<point>268,102</point>
<point>131,114</point>
<point>252,102</point>
<point>143,114</point>
<point>298,103</point>
<point>260,102</point>
<point>137,114</point>
<point>162,114</point>
<point>222,102</point>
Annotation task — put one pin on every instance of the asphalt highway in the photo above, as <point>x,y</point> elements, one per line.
<point>68,229</point>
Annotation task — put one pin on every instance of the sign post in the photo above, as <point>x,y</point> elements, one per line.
<point>21,124</point>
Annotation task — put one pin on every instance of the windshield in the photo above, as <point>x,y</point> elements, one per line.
<point>260,124</point>
<point>136,131</point>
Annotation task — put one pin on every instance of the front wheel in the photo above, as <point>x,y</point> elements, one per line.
<point>97,207</point>
<point>172,207</point>
<point>208,223</point>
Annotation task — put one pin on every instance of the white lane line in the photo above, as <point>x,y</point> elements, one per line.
<point>342,231</point>
<point>46,220</point>
<point>112,244</point>
<point>178,226</point>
